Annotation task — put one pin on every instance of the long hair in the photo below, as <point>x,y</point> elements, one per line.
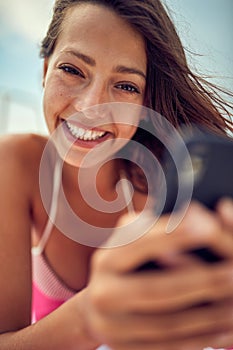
<point>172,89</point>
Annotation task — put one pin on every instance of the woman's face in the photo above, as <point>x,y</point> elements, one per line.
<point>99,59</point>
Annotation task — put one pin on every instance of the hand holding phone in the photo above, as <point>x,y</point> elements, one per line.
<point>205,164</point>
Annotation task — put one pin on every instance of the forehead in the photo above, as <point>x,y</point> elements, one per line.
<point>98,27</point>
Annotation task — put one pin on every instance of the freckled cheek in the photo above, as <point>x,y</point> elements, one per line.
<point>54,101</point>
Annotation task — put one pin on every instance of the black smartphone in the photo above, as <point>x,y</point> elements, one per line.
<point>201,168</point>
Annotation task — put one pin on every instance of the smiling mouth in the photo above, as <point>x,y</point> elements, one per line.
<point>84,134</point>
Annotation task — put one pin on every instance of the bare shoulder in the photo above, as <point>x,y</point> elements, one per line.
<point>19,161</point>
<point>20,158</point>
<point>22,146</point>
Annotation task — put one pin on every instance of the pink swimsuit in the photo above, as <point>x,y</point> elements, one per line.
<point>49,292</point>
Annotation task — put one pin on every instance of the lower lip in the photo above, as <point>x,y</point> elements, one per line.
<point>83,143</point>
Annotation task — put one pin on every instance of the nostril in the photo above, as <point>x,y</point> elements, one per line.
<point>91,113</point>
<point>94,116</point>
<point>98,114</point>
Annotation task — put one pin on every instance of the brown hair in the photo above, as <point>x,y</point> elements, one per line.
<point>173,90</point>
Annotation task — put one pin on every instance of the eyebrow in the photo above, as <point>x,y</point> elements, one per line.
<point>119,69</point>
<point>128,70</point>
<point>87,59</point>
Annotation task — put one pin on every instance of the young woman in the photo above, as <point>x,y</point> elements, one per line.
<point>105,64</point>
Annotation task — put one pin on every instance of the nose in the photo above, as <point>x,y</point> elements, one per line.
<point>92,96</point>
<point>93,104</point>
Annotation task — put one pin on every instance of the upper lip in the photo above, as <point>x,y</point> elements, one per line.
<point>83,126</point>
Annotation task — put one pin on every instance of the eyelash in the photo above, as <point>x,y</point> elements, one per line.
<point>71,70</point>
<point>129,88</point>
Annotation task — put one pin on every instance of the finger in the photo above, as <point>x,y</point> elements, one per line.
<point>225,210</point>
<point>211,319</point>
<point>198,229</point>
<point>163,292</point>
<point>124,258</point>
<point>202,227</point>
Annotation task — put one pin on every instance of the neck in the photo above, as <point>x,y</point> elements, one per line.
<point>103,178</point>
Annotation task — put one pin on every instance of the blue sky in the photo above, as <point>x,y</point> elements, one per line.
<point>205,27</point>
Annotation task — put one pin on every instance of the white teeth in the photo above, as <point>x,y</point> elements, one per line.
<point>84,134</point>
